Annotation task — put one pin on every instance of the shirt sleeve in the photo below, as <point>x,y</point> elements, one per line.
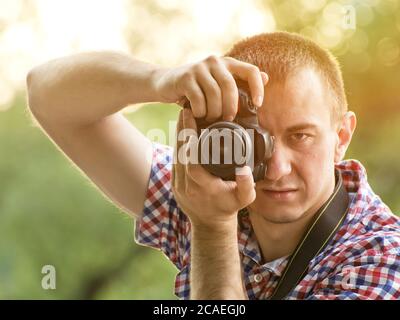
<point>162,225</point>
<point>369,277</point>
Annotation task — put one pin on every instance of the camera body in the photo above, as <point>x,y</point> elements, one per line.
<point>224,146</point>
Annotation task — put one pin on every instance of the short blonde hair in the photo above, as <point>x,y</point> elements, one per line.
<point>281,54</point>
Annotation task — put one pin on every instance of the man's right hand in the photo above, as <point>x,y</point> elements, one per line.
<point>210,86</point>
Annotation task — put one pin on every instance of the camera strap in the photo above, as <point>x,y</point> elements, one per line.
<point>325,224</point>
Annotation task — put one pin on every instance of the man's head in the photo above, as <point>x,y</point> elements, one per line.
<point>305,108</point>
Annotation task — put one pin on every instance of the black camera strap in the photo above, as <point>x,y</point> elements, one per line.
<point>325,224</point>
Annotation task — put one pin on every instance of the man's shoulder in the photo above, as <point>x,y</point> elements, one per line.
<point>366,211</point>
<point>370,228</point>
<point>371,245</point>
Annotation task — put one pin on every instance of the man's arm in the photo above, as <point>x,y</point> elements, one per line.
<point>215,263</point>
<point>76,100</point>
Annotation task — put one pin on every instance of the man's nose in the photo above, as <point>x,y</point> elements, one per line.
<point>279,165</point>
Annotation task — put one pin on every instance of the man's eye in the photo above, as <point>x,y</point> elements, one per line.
<point>300,136</point>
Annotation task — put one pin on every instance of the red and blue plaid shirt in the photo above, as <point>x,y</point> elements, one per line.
<point>362,261</point>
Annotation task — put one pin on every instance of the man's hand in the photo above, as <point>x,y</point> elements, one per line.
<point>207,199</point>
<point>210,86</point>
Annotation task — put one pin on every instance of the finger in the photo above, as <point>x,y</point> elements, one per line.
<point>188,120</point>
<point>178,167</point>
<point>197,99</point>
<point>199,175</point>
<point>187,152</point>
<point>251,74</point>
<point>265,78</point>
<point>213,95</point>
<point>194,171</point>
<point>190,152</point>
<point>245,192</point>
<point>229,92</point>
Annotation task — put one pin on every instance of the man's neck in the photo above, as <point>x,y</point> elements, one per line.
<point>277,240</point>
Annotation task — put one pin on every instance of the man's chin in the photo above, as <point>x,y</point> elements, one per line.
<point>281,218</point>
<point>279,215</point>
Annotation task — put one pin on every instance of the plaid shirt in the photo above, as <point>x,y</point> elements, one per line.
<point>362,261</point>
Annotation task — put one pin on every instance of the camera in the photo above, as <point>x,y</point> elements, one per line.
<point>224,146</point>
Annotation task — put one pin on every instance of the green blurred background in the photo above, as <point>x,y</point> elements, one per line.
<point>51,215</point>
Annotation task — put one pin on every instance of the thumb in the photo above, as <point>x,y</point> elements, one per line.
<point>265,78</point>
<point>245,193</point>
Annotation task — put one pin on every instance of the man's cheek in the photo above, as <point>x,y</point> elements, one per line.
<point>311,165</point>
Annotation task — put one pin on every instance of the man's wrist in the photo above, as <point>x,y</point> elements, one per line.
<point>155,75</point>
<point>219,227</point>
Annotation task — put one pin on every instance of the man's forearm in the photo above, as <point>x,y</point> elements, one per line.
<point>215,263</point>
<point>86,87</point>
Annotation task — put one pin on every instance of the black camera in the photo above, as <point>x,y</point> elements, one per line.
<point>224,146</point>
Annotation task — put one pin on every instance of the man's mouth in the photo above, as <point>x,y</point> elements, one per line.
<point>279,194</point>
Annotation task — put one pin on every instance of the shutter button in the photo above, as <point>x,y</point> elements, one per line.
<point>258,278</point>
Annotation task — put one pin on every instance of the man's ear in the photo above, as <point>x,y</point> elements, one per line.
<point>344,134</point>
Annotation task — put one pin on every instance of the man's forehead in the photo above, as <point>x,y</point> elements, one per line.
<point>292,124</point>
<point>301,83</point>
<point>298,102</point>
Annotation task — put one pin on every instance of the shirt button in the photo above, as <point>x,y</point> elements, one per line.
<point>258,278</point>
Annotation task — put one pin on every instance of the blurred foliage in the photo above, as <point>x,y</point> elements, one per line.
<point>51,214</point>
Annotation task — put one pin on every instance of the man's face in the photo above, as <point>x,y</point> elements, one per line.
<point>298,113</point>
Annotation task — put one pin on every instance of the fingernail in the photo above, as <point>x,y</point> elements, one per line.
<point>265,77</point>
<point>258,101</point>
<point>243,171</point>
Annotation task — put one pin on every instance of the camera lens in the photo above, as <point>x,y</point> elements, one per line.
<point>223,147</point>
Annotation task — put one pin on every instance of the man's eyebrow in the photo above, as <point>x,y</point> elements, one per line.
<point>302,126</point>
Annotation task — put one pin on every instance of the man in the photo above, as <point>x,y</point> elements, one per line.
<point>191,215</point>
